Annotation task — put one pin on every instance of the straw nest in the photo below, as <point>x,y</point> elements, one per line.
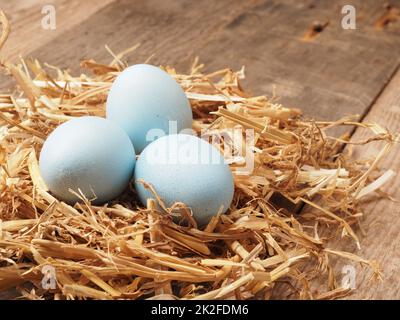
<point>124,251</point>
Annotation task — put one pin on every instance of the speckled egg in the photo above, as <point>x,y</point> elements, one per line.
<point>185,168</point>
<point>145,100</point>
<point>89,153</point>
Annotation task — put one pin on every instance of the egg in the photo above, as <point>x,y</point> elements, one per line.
<point>185,168</point>
<point>147,103</point>
<point>89,153</point>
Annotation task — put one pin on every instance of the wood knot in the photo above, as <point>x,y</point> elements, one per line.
<point>314,30</point>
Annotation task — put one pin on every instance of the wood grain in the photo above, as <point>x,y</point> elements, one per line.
<point>381,221</point>
<point>25,17</point>
<point>379,228</point>
<point>340,72</point>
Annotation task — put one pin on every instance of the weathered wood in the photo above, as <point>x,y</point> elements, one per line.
<point>339,72</point>
<point>379,233</point>
<point>27,33</point>
<point>381,223</point>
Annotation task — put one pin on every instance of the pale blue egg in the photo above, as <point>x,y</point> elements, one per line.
<point>185,168</point>
<point>89,153</point>
<point>144,100</point>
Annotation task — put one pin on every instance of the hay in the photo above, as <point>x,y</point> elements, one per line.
<point>124,251</point>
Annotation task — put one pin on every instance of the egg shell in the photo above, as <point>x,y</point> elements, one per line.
<point>143,100</point>
<point>185,168</point>
<point>89,153</point>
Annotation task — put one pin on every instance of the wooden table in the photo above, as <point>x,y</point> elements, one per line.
<point>336,72</point>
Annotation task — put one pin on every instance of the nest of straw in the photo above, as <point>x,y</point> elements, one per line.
<point>124,251</point>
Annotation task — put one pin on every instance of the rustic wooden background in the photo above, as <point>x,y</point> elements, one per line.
<point>335,73</point>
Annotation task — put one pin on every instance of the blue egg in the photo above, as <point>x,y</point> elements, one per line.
<point>145,100</point>
<point>89,153</point>
<point>185,168</point>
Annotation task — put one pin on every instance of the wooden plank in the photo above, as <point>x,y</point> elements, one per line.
<point>340,72</point>
<point>167,29</point>
<point>161,28</point>
<point>379,233</point>
<point>27,33</point>
<point>381,223</point>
